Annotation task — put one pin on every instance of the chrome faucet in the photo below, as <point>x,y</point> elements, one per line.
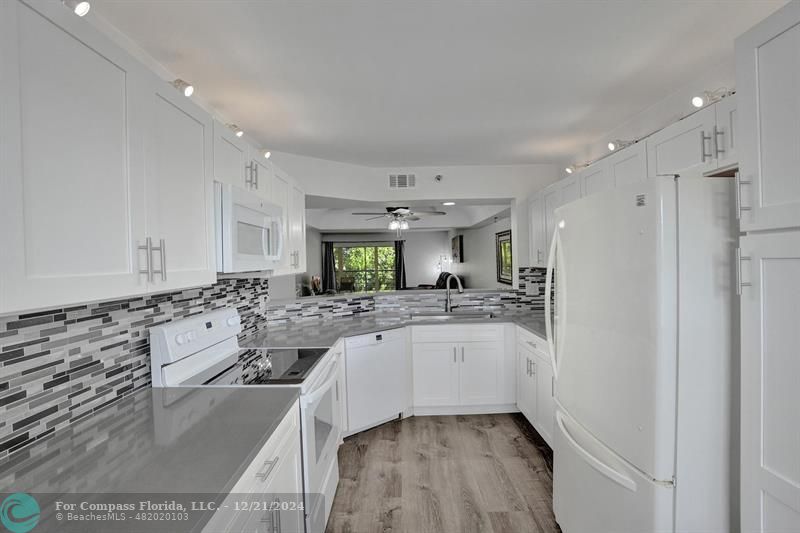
<point>448,305</point>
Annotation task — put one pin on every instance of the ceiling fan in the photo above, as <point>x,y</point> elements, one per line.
<point>399,216</point>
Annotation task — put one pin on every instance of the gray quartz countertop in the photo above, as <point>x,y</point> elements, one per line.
<point>323,333</point>
<point>175,440</point>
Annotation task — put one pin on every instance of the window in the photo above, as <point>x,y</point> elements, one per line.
<point>364,267</point>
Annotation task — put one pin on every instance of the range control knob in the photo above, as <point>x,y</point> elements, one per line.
<point>180,338</point>
<point>232,321</point>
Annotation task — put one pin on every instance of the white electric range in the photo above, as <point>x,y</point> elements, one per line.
<point>203,350</point>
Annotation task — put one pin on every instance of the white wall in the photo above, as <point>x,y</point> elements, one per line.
<point>313,252</point>
<point>423,250</point>
<point>480,268</point>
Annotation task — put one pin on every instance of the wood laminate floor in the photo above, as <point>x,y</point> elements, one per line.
<point>431,474</point>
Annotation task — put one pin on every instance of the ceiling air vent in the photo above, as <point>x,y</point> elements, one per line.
<point>402,181</point>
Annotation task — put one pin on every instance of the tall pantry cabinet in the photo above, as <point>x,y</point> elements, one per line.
<point>768,268</point>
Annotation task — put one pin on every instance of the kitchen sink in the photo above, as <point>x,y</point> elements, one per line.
<point>455,315</point>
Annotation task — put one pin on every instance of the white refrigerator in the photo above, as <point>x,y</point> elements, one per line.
<point>641,333</point>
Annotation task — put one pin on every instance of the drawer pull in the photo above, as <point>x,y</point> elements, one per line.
<point>269,466</point>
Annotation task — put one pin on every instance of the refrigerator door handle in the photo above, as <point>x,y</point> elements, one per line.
<point>548,294</point>
<point>593,461</point>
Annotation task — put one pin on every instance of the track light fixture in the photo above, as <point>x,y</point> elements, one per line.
<point>267,154</point>
<point>618,144</point>
<point>79,7</point>
<point>709,97</point>
<point>236,130</point>
<point>574,168</point>
<point>186,88</point>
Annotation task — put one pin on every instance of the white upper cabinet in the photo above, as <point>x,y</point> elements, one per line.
<point>725,142</point>
<point>768,84</point>
<point>686,147</point>
<point>179,190</point>
<point>538,244</point>
<point>627,166</point>
<point>554,196</point>
<point>71,161</point>
<point>231,157</point>
<point>297,229</point>
<point>281,187</point>
<point>595,178</point>
<point>570,189</point>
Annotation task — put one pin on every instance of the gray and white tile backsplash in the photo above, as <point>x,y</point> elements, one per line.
<point>63,364</point>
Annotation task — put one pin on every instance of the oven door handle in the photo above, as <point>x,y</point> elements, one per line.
<point>314,396</point>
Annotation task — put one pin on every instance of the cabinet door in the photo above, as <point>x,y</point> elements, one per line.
<point>261,179</point>
<point>180,208</point>
<point>595,178</point>
<point>297,229</point>
<point>538,243</point>
<point>570,190</point>
<point>280,196</point>
<point>285,487</point>
<point>71,161</point>
<point>526,386</point>
<point>727,130</point>
<point>768,82</point>
<point>545,401</point>
<point>685,147</point>
<point>231,157</point>
<point>435,374</point>
<point>629,165</point>
<point>770,482</point>
<point>480,372</point>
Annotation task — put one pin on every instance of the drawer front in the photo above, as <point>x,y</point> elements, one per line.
<point>458,333</point>
<point>533,342</point>
<point>266,461</point>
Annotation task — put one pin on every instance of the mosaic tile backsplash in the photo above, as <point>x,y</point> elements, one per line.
<point>61,365</point>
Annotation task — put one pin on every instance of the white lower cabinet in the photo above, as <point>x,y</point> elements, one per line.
<point>460,365</point>
<point>275,477</point>
<point>377,378</point>
<point>536,384</point>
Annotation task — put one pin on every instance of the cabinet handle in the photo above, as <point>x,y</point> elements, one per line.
<point>270,466</point>
<point>163,247</point>
<point>162,266</point>
<point>739,282</point>
<point>273,517</point>
<point>553,386</point>
<point>148,250</point>
<point>703,139</point>
<point>454,354</point>
<point>529,366</point>
<point>533,368</point>
<point>248,178</point>
<point>538,256</point>
<point>337,391</point>
<point>462,354</point>
<point>255,171</point>
<point>738,195</point>
<point>717,135</point>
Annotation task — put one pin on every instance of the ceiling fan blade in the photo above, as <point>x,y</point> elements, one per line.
<point>412,218</point>
<point>437,213</point>
<point>367,214</point>
<point>398,210</point>
<point>375,218</point>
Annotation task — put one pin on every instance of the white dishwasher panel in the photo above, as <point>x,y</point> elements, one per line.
<point>377,378</point>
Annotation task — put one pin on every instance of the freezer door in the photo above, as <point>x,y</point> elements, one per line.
<point>596,491</point>
<point>615,327</point>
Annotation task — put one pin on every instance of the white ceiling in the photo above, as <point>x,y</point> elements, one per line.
<point>433,82</point>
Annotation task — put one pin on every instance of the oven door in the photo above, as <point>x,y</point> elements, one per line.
<point>322,429</point>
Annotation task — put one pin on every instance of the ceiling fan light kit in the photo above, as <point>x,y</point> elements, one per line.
<point>399,217</point>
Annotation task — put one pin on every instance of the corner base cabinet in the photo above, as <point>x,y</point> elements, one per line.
<point>535,384</point>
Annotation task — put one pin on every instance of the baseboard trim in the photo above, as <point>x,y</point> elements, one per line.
<point>466,410</point>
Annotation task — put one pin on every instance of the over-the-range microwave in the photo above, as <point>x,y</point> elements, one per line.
<point>249,230</point>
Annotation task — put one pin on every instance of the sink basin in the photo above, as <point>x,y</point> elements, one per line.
<point>456,315</point>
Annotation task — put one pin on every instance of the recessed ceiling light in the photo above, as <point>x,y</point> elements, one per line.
<point>236,130</point>
<point>448,203</point>
<point>267,154</point>
<point>698,101</point>
<point>569,170</point>
<point>186,88</point>
<point>612,146</point>
<point>79,7</point>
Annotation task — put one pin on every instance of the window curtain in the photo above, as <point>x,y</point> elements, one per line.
<point>328,268</point>
<point>399,265</point>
